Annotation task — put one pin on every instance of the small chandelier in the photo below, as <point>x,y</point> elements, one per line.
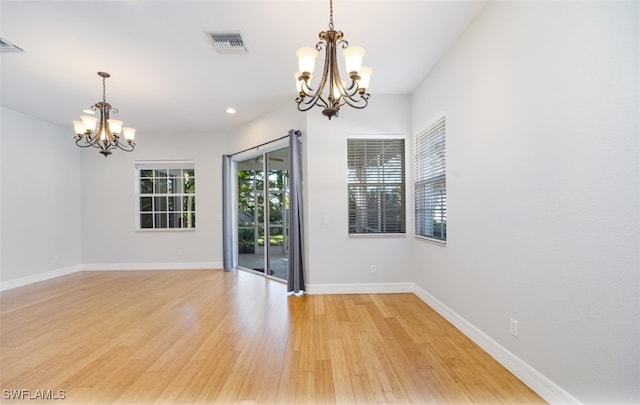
<point>353,94</point>
<point>107,136</point>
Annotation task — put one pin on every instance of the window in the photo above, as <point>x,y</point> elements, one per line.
<point>376,185</point>
<point>166,195</point>
<point>431,184</point>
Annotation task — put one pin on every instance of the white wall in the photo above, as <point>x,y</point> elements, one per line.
<point>271,126</point>
<point>542,156</point>
<point>40,169</point>
<point>334,258</point>
<point>109,238</point>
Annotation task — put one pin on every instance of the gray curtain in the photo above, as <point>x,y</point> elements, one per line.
<point>227,213</point>
<point>295,278</point>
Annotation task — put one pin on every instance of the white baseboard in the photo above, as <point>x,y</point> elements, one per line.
<point>544,387</point>
<point>151,266</point>
<point>35,278</point>
<point>362,288</point>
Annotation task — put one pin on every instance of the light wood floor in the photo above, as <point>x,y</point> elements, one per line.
<point>206,336</point>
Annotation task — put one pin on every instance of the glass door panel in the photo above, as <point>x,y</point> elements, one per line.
<point>277,205</point>
<point>250,213</point>
<point>262,222</point>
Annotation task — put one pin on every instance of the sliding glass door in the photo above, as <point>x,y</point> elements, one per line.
<point>263,203</point>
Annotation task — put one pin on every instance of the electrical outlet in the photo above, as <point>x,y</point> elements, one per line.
<point>374,270</point>
<point>513,327</point>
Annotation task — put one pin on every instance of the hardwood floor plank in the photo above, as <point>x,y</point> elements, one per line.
<point>208,336</point>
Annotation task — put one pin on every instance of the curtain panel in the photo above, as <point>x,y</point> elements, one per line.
<point>295,277</point>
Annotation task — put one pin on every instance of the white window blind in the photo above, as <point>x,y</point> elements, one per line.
<point>376,185</point>
<point>165,195</point>
<point>431,184</point>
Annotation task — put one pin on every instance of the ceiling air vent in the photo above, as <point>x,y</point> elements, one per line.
<point>8,47</point>
<point>228,42</point>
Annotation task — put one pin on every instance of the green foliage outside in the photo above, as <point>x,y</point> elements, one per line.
<point>251,208</point>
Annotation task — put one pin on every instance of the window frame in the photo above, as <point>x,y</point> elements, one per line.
<point>401,184</point>
<point>434,176</point>
<point>167,165</point>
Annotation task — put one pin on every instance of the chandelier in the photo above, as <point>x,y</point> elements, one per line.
<point>353,94</point>
<point>107,136</point>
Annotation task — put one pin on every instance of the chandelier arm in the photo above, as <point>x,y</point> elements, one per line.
<point>305,105</point>
<point>353,88</point>
<point>350,95</point>
<point>313,99</point>
<point>353,95</point>
<point>316,98</point>
<point>333,74</point>
<point>86,143</point>
<point>345,92</point>
<point>335,77</point>
<point>357,104</point>
<point>93,143</point>
<point>93,140</point>
<point>336,84</point>
<point>307,98</point>
<point>117,143</point>
<point>327,44</point>
<point>306,88</point>
<point>360,102</point>
<point>307,91</point>
<point>128,147</point>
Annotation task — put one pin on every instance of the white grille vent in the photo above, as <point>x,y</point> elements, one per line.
<point>8,47</point>
<point>228,42</point>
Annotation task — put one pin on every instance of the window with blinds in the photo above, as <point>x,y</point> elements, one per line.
<point>165,195</point>
<point>376,185</point>
<point>431,184</point>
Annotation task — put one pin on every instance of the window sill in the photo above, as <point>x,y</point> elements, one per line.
<point>166,230</point>
<point>376,235</point>
<point>431,240</point>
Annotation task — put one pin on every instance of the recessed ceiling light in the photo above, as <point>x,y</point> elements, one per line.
<point>231,110</point>
<point>87,111</point>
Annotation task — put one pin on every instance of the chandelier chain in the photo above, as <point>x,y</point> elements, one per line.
<point>104,90</point>
<point>331,14</point>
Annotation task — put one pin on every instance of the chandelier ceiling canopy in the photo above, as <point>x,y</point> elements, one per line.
<point>338,92</point>
<point>107,136</point>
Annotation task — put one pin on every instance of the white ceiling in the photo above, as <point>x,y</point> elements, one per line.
<point>165,73</point>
